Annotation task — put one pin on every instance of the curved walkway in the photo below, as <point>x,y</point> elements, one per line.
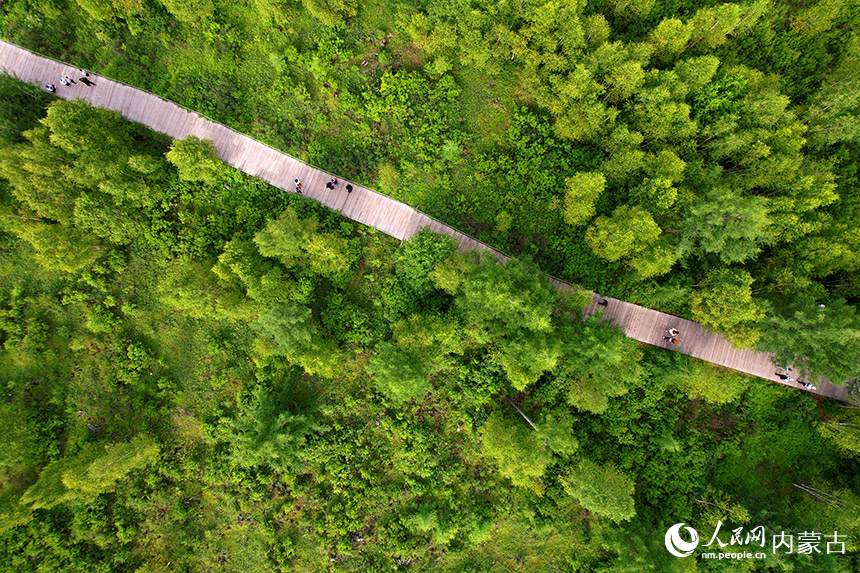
<point>365,205</point>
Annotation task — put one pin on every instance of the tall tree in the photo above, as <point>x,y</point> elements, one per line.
<point>724,304</point>
<point>419,256</point>
<point>520,453</point>
<point>819,338</point>
<point>270,431</point>
<point>296,336</point>
<point>506,298</point>
<point>196,159</point>
<point>86,475</point>
<point>420,346</point>
<point>294,241</point>
<point>631,233</point>
<point>581,193</point>
<point>602,489</point>
<point>598,362</point>
<point>726,224</point>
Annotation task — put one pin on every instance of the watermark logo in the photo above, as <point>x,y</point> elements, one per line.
<point>808,542</point>
<point>677,546</point>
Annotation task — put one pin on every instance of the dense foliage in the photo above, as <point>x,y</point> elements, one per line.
<point>638,148</point>
<point>203,372</point>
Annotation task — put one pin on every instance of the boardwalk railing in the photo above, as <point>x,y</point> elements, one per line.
<point>366,205</point>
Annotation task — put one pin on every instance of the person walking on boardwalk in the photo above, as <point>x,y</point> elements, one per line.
<point>329,186</point>
<point>51,88</point>
<point>64,82</point>
<point>671,339</point>
<point>86,82</point>
<point>604,303</point>
<point>673,331</point>
<point>334,182</point>
<point>69,81</point>
<point>298,186</point>
<point>348,188</point>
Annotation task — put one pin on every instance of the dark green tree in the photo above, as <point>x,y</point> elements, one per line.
<point>196,159</point>
<point>602,489</point>
<point>727,225</point>
<point>819,339</point>
<point>270,431</point>
<point>724,304</point>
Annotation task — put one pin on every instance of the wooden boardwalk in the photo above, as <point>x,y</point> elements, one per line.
<point>363,205</point>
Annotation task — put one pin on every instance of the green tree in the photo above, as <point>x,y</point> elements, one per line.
<point>632,9</point>
<point>419,256</point>
<point>577,103</point>
<point>526,356</point>
<point>294,241</point>
<point>519,451</point>
<point>192,288</point>
<point>112,464</point>
<point>598,362</point>
<point>724,304</point>
<point>506,298</point>
<point>655,195</point>
<point>57,246</point>
<point>601,489</point>
<point>420,347</point>
<point>295,335</point>
<point>669,38</point>
<point>843,429</point>
<point>189,10</point>
<point>241,266</point>
<point>697,72</point>
<point>331,12</point>
<point>270,431</point>
<point>399,375</point>
<point>581,193</point>
<point>711,384</point>
<point>709,27</point>
<point>726,224</point>
<point>90,473</point>
<point>630,230</point>
<point>832,114</point>
<point>196,159</point>
<point>818,340</point>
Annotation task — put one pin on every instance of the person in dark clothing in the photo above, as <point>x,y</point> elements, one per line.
<point>348,188</point>
<point>604,303</point>
<point>87,82</point>
<point>329,185</point>
<point>671,339</point>
<point>51,88</point>
<point>69,80</point>
<point>783,377</point>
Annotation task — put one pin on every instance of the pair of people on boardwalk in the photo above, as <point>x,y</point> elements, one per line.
<point>673,335</point>
<point>67,81</point>
<point>335,182</point>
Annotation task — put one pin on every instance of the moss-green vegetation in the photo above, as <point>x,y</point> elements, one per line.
<point>224,376</point>
<point>725,133</point>
<point>203,373</point>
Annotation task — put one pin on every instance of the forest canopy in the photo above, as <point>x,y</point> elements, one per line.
<point>205,371</point>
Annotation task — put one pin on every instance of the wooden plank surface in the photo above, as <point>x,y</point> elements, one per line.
<point>367,206</point>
